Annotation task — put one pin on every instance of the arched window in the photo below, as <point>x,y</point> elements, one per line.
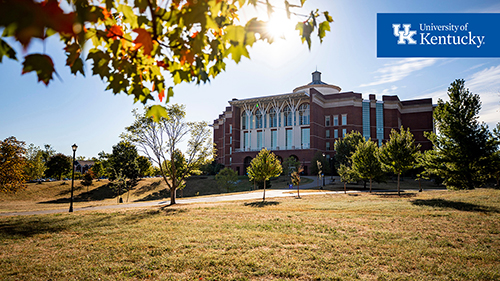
<point>287,114</point>
<point>273,120</point>
<point>258,120</point>
<point>244,121</point>
<point>304,114</point>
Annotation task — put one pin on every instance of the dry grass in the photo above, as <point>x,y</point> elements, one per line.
<point>437,235</point>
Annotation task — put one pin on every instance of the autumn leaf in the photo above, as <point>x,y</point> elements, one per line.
<point>41,64</point>
<point>187,56</point>
<point>115,32</point>
<point>161,95</point>
<point>156,112</point>
<point>144,40</point>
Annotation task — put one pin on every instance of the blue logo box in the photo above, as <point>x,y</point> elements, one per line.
<point>438,35</point>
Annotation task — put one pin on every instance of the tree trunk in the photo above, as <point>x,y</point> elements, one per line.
<point>370,185</point>
<point>419,185</point>
<point>172,196</point>
<point>298,192</point>
<point>399,193</point>
<point>345,189</point>
<point>264,198</point>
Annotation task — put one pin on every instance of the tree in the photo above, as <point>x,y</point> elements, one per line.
<point>58,165</point>
<point>290,165</point>
<point>132,43</point>
<point>160,141</point>
<point>12,164</point>
<point>347,175</point>
<point>365,162</point>
<point>296,178</point>
<point>144,165</point>
<point>345,148</point>
<point>264,167</point>
<point>227,178</point>
<point>87,179</point>
<point>463,146</point>
<point>494,167</point>
<point>123,159</point>
<point>35,166</point>
<point>399,154</point>
<point>47,153</point>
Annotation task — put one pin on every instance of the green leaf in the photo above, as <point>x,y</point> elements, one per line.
<point>157,111</point>
<point>238,51</point>
<point>141,4</point>
<point>328,17</point>
<point>129,16</point>
<point>302,3</point>
<point>77,67</point>
<point>6,50</point>
<point>170,93</point>
<point>41,64</point>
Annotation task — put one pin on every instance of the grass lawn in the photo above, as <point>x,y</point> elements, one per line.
<point>434,235</point>
<point>56,195</point>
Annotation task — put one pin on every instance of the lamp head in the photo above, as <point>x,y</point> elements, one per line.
<point>74,147</point>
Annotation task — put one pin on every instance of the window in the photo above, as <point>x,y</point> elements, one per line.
<point>336,133</point>
<point>335,120</point>
<point>244,121</point>
<point>305,138</point>
<point>230,160</point>
<point>258,120</point>
<point>379,115</point>
<point>327,121</point>
<point>327,145</point>
<point>273,121</point>
<point>289,140</point>
<point>327,134</point>
<point>260,142</point>
<point>274,139</point>
<point>366,119</point>
<point>344,119</point>
<point>287,114</point>
<point>344,132</point>
<point>230,128</point>
<point>304,114</point>
<point>230,140</point>
<point>230,150</point>
<point>246,140</point>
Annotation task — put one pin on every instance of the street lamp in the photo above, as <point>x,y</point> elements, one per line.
<point>323,174</point>
<point>74,147</point>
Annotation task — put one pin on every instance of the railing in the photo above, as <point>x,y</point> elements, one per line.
<point>304,146</point>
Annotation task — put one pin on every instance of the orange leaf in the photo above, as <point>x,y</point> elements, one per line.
<point>161,95</point>
<point>194,34</point>
<point>105,13</point>
<point>143,40</point>
<point>187,56</point>
<point>115,32</point>
<point>162,64</point>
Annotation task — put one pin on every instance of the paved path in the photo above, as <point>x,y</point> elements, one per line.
<point>270,193</point>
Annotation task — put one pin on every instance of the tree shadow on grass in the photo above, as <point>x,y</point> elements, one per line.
<point>460,206</point>
<point>101,193</point>
<point>395,195</point>
<point>261,204</point>
<point>162,194</point>
<point>147,188</point>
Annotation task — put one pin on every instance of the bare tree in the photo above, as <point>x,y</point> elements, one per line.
<point>160,142</point>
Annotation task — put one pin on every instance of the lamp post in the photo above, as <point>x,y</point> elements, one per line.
<point>323,174</point>
<point>74,147</point>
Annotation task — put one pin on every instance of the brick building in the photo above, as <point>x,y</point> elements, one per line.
<point>310,119</point>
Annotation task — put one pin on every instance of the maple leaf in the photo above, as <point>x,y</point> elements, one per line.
<point>144,40</point>
<point>41,64</point>
<point>115,32</point>
<point>187,56</point>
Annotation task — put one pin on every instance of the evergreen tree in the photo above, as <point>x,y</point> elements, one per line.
<point>226,179</point>
<point>365,162</point>
<point>462,147</point>
<point>264,167</point>
<point>399,154</point>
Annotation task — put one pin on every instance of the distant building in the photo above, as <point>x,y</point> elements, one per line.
<point>310,119</point>
<point>83,166</point>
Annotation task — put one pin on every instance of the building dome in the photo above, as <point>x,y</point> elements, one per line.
<point>319,85</point>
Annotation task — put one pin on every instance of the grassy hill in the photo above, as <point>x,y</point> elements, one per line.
<point>56,195</point>
<point>434,235</point>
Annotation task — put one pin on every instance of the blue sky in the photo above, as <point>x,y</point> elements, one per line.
<point>79,110</point>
